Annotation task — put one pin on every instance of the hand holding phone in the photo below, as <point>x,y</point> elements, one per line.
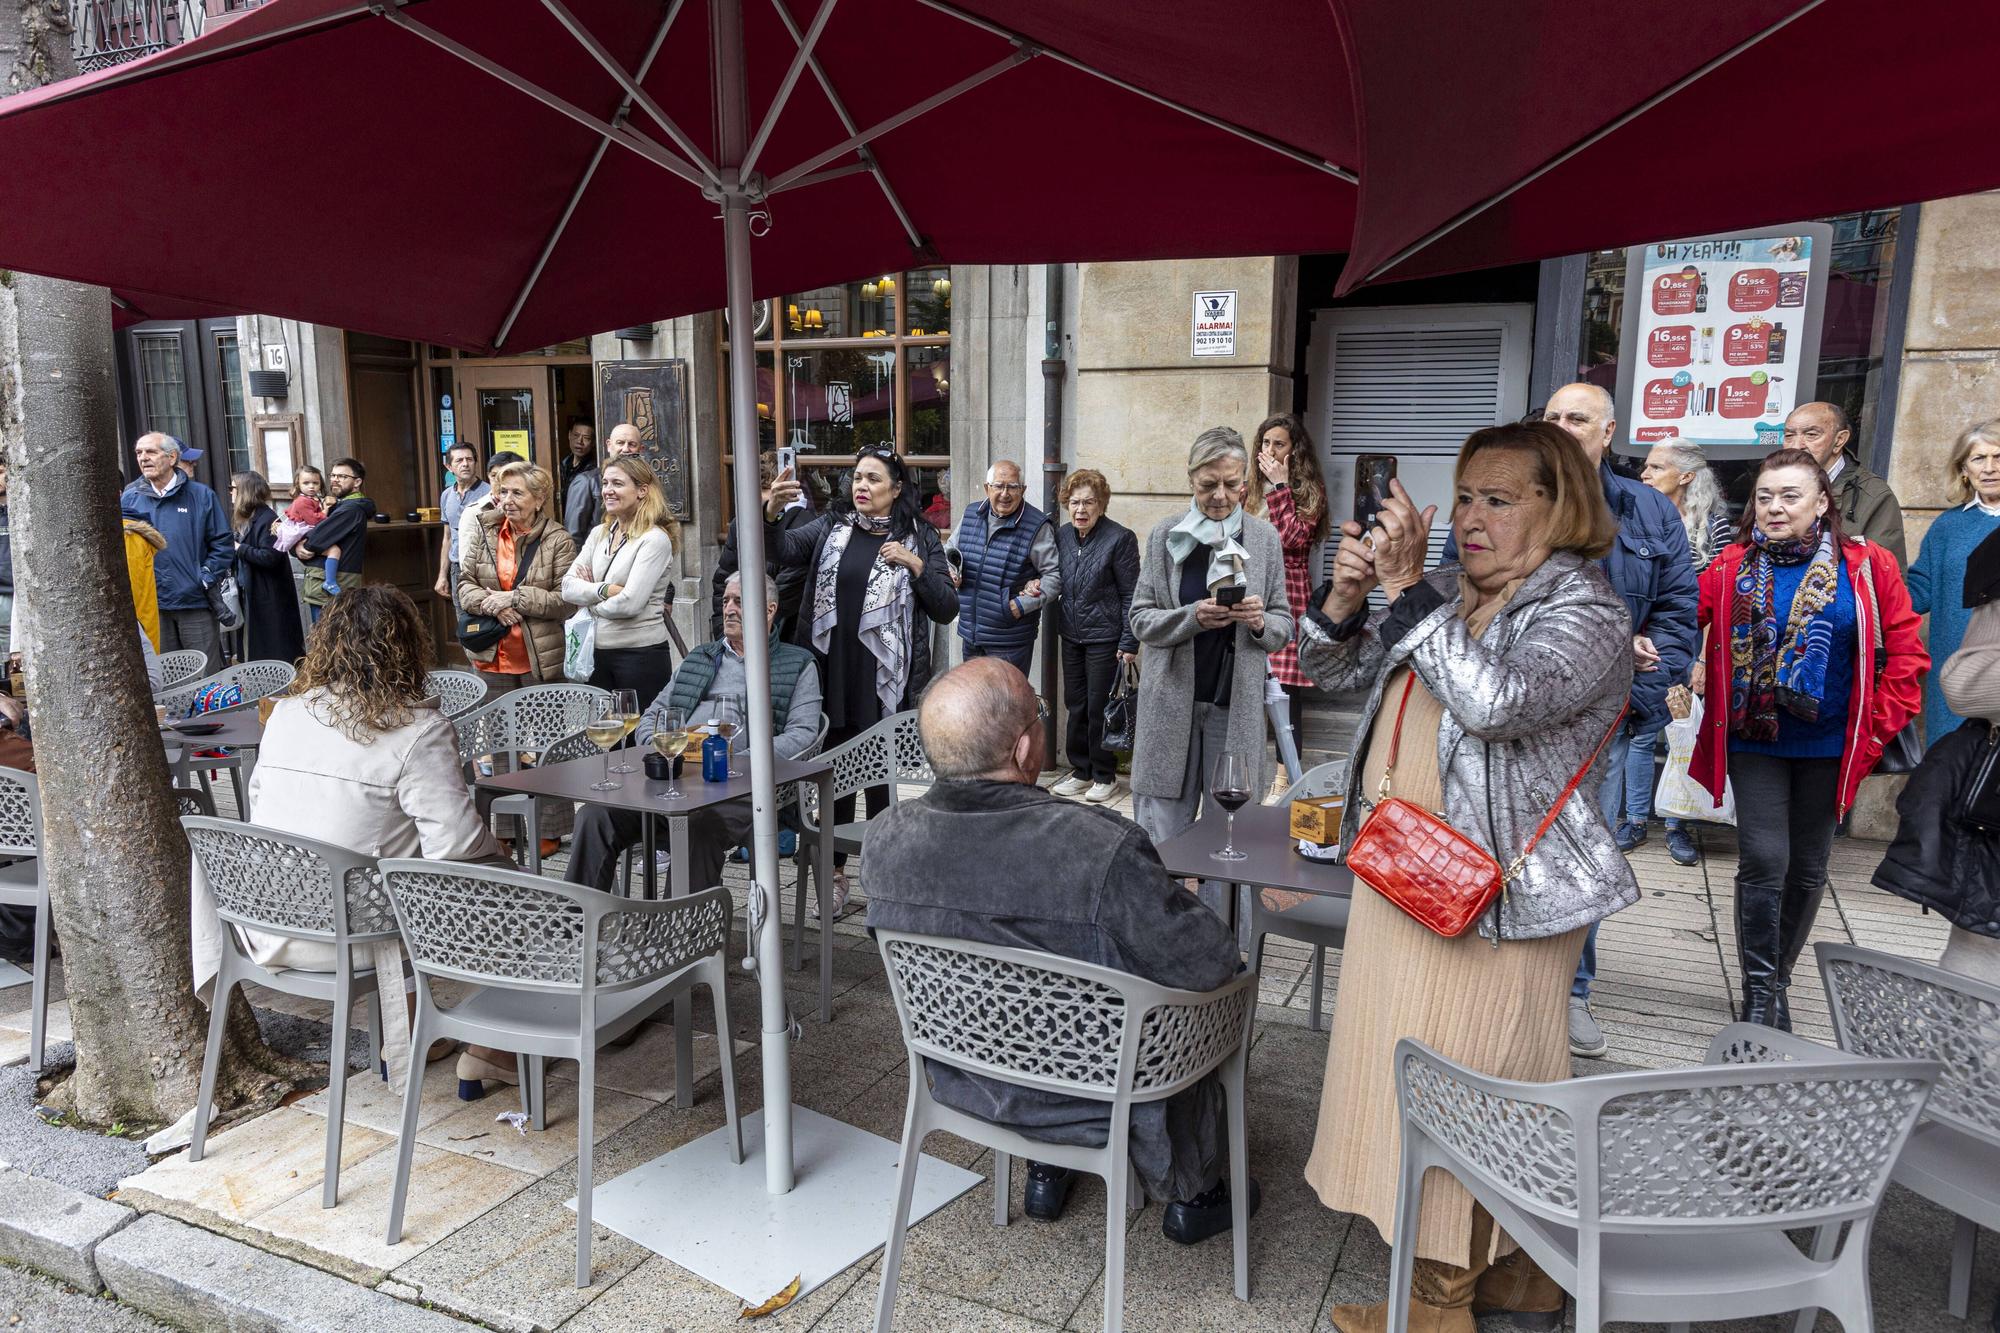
<point>1230,594</point>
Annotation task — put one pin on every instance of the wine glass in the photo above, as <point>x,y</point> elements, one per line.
<point>604,733</point>
<point>625,711</point>
<point>1229,784</point>
<point>670,738</point>
<point>729,726</point>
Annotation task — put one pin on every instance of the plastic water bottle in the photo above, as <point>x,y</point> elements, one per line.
<point>715,760</point>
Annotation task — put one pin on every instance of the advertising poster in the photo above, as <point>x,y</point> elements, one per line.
<point>1721,338</point>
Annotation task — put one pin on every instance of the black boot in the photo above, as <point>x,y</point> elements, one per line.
<point>1760,951</point>
<point>1795,923</point>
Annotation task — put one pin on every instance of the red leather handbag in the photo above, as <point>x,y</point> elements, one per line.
<point>1439,877</point>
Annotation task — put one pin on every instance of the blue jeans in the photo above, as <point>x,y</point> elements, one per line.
<point>1586,966</point>
<point>1627,793</point>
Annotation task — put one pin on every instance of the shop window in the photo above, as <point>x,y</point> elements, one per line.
<point>860,364</point>
<point>235,426</point>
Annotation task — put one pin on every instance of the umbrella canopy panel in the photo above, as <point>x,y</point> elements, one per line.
<point>475,172</point>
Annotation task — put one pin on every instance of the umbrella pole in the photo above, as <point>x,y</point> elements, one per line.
<point>726,23</point>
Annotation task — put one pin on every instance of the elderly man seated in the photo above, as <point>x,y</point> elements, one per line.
<point>709,685</point>
<point>1080,881</point>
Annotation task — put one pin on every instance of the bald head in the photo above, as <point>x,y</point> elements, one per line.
<point>1819,428</point>
<point>978,721</point>
<point>623,441</point>
<point>1586,411</point>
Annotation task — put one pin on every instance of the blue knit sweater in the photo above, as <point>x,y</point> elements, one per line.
<point>1937,586</point>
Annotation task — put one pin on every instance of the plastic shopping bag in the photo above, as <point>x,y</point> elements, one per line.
<point>579,647</point>
<point>1679,796</point>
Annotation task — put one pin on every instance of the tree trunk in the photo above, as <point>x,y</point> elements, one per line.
<point>116,862</point>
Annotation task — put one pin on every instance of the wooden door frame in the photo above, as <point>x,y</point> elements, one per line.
<point>469,377</point>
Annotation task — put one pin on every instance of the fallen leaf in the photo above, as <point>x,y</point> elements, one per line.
<point>776,1303</point>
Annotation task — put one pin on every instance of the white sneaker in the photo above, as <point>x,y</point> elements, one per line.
<point>1101,791</point>
<point>1073,785</point>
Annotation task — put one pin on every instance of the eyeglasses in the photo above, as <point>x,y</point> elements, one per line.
<point>1008,486</point>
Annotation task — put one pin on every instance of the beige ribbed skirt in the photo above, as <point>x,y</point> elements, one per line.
<point>1503,1012</point>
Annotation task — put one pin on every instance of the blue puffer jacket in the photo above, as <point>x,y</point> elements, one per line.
<point>200,547</point>
<point>1652,568</point>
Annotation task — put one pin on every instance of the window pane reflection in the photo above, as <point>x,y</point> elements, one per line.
<point>840,400</point>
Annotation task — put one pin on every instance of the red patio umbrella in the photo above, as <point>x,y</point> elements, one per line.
<point>1575,133</point>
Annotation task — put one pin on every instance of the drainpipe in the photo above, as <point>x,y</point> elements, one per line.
<point>1053,368</point>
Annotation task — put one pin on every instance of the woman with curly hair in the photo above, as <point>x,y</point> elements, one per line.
<point>1286,487</point>
<point>357,754</point>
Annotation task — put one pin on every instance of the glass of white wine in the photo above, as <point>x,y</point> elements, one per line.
<point>670,739</point>
<point>604,733</point>
<point>624,709</point>
<point>730,728</point>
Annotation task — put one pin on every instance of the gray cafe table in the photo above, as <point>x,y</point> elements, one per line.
<point>1271,856</point>
<point>571,781</point>
<point>238,728</point>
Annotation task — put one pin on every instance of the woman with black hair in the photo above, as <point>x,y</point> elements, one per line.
<point>876,581</point>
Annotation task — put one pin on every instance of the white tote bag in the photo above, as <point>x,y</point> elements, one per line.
<point>1679,796</point>
<point>580,647</point>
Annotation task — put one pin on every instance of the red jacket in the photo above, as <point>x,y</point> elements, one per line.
<point>1886,692</point>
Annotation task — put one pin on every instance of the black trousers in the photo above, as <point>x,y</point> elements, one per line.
<point>1781,856</point>
<point>1089,670</point>
<point>602,835</point>
<point>644,671</point>
<point>843,807</point>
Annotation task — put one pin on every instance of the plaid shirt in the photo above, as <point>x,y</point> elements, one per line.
<point>1295,535</point>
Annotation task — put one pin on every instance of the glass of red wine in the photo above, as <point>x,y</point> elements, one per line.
<point>1229,784</point>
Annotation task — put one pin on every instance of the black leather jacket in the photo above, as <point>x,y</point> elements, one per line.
<point>1941,857</point>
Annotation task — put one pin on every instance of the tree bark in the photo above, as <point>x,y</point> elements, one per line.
<point>116,862</point>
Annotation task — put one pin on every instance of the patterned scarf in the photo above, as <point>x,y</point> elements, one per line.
<point>886,609</point>
<point>1765,673</point>
<point>1226,554</point>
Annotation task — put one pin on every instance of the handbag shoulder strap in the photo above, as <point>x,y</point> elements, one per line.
<point>1576,780</point>
<point>1396,739</point>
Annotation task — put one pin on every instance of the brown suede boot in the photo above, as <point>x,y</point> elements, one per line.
<point>1440,1302</point>
<point>1515,1287</point>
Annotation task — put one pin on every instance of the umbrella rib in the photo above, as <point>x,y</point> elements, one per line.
<point>868,159</point>
<point>1584,143</point>
<point>576,195</point>
<point>624,136</point>
<point>1279,146</point>
<point>633,92</point>
<point>789,82</point>
<point>1022,54</point>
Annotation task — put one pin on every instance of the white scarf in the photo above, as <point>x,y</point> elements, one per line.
<point>886,611</point>
<point>1226,554</point>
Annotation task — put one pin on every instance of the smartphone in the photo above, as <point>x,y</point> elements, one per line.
<point>1230,594</point>
<point>1372,475</point>
<point>788,459</point>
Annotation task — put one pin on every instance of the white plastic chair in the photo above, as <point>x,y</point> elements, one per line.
<point>1669,1192</point>
<point>888,754</point>
<point>1895,1009</point>
<point>529,722</point>
<point>257,680</point>
<point>1057,1025</point>
<point>180,666</point>
<point>283,884</point>
<point>24,883</point>
<point>457,691</point>
<point>1319,921</point>
<point>552,971</point>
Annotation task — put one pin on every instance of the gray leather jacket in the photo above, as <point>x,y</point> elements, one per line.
<point>1523,708</point>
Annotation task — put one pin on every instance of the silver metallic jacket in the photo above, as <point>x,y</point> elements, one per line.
<point>1523,708</point>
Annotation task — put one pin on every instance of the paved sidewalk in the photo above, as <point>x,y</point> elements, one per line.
<point>489,1237</point>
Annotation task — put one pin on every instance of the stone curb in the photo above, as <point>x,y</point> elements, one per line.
<point>55,1229</point>
<point>182,1275</point>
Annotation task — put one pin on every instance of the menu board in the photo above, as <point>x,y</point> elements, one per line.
<point>1721,338</point>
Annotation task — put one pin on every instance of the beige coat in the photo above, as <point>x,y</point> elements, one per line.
<point>539,587</point>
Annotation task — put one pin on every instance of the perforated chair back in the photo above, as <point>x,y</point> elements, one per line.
<point>20,813</point>
<point>457,691</point>
<point>1328,779</point>
<point>518,931</point>
<point>285,884</point>
<point>1896,1009</point>
<point>257,680</point>
<point>180,666</point>
<point>529,720</point>
<point>913,762</point>
<point>193,801</point>
<point>877,757</point>
<point>1773,1132</point>
<point>1040,1021</point>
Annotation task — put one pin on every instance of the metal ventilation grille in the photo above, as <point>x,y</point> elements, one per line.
<point>1416,393</point>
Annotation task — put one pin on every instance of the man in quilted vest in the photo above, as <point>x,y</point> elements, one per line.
<point>1004,543</point>
<point>708,686</point>
<point>1101,896</point>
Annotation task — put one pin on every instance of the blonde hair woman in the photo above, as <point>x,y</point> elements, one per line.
<point>511,568</point>
<point>624,576</point>
<point>1937,576</point>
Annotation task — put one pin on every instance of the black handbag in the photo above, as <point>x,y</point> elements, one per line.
<point>1121,710</point>
<point>479,633</point>
<point>1903,752</point>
